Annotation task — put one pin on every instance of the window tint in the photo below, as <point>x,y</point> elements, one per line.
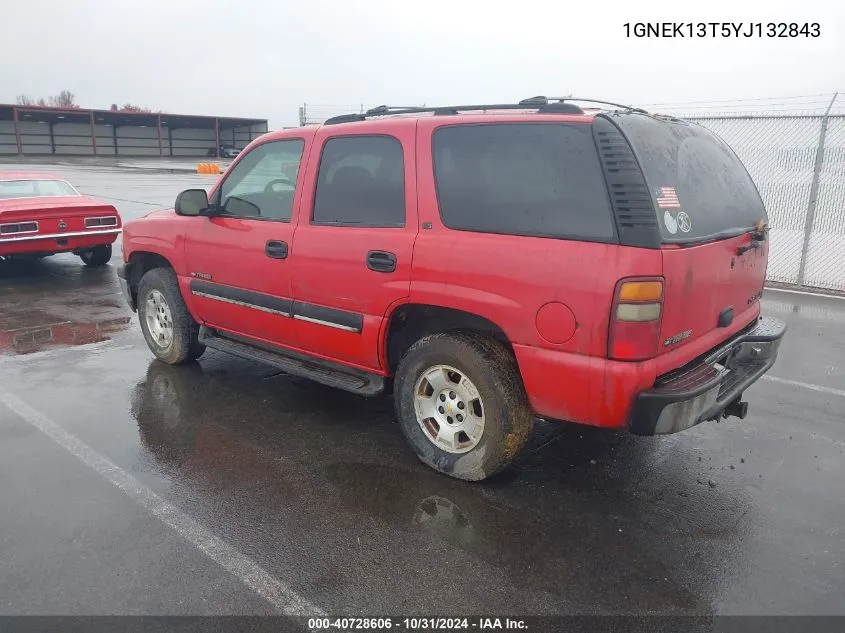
<point>538,179</point>
<point>361,182</point>
<point>262,184</point>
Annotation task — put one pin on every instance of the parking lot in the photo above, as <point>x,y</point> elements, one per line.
<point>132,487</point>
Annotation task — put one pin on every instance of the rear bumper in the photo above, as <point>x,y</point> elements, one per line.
<point>711,388</point>
<point>57,242</point>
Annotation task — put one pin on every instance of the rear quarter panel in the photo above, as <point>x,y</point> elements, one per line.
<point>507,279</point>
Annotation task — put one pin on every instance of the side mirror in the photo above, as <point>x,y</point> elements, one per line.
<point>191,202</point>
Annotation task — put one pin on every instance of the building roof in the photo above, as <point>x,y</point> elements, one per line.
<point>109,117</point>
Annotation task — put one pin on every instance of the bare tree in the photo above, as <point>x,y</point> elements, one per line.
<point>131,107</point>
<point>65,99</point>
<point>25,100</point>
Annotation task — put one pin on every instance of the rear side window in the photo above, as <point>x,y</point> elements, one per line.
<point>361,182</point>
<point>534,179</point>
<point>699,186</point>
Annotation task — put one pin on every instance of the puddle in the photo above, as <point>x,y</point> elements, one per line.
<point>28,339</point>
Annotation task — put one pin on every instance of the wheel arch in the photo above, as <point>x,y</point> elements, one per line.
<point>409,322</point>
<point>140,263</point>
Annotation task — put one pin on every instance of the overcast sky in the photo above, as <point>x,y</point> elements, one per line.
<point>264,58</point>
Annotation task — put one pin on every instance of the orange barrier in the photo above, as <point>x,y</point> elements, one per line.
<point>208,168</point>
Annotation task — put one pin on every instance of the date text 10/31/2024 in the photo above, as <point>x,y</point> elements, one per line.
<point>416,624</point>
<point>721,29</point>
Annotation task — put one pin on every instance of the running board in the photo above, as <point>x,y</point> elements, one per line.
<point>321,371</point>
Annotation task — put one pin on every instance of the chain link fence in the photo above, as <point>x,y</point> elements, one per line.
<point>798,164</point>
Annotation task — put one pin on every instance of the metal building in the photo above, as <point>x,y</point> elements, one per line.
<point>35,130</point>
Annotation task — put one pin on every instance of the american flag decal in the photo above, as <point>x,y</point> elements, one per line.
<point>667,198</point>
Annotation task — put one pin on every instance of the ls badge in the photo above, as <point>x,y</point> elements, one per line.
<point>677,338</point>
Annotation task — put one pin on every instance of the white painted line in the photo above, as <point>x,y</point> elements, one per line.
<point>806,385</point>
<point>243,568</point>
<point>805,293</point>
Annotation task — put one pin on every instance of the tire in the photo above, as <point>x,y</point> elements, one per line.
<point>493,375</point>
<point>97,256</point>
<point>178,343</point>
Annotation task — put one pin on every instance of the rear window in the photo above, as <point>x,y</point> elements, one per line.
<point>534,179</point>
<point>33,188</point>
<point>699,186</point>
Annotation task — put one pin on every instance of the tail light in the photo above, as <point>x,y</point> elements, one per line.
<point>18,227</point>
<point>635,319</point>
<point>103,221</point>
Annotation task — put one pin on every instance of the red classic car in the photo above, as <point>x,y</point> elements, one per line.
<point>42,215</point>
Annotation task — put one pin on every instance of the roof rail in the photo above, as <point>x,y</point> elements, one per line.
<point>384,110</point>
<point>540,100</point>
<point>559,105</point>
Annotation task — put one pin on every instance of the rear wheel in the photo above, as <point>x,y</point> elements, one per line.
<point>461,404</point>
<point>170,331</point>
<point>97,256</point>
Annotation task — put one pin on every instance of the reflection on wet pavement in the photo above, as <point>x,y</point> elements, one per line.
<point>50,304</point>
<point>581,547</point>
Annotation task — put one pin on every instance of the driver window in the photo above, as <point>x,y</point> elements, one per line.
<point>262,184</point>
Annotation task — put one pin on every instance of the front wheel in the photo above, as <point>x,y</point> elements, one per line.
<point>461,404</point>
<point>97,256</point>
<point>170,331</point>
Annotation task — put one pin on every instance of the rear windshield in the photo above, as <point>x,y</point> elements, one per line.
<point>34,188</point>
<point>700,188</point>
<point>535,179</point>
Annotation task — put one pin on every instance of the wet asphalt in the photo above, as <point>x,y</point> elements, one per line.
<point>317,488</point>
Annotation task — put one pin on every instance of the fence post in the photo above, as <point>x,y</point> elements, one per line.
<point>217,136</point>
<point>302,116</point>
<point>17,130</point>
<point>93,132</point>
<point>814,194</point>
<point>160,141</point>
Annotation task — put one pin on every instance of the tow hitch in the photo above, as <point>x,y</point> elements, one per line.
<point>736,409</point>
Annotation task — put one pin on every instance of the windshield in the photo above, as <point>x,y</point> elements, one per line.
<point>699,187</point>
<point>34,188</point>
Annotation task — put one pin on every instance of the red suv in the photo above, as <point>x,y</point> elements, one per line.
<point>489,263</point>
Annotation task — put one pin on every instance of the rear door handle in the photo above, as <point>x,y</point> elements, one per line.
<point>276,249</point>
<point>381,261</point>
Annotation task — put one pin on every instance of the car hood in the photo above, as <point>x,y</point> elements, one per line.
<point>159,214</point>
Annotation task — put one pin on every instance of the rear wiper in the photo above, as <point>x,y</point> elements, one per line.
<point>757,239</point>
<point>744,248</point>
<point>715,237</point>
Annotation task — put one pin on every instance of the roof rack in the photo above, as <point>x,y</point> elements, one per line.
<point>550,100</point>
<point>558,105</point>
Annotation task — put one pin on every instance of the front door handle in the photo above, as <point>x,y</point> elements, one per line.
<point>381,261</point>
<point>276,249</point>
